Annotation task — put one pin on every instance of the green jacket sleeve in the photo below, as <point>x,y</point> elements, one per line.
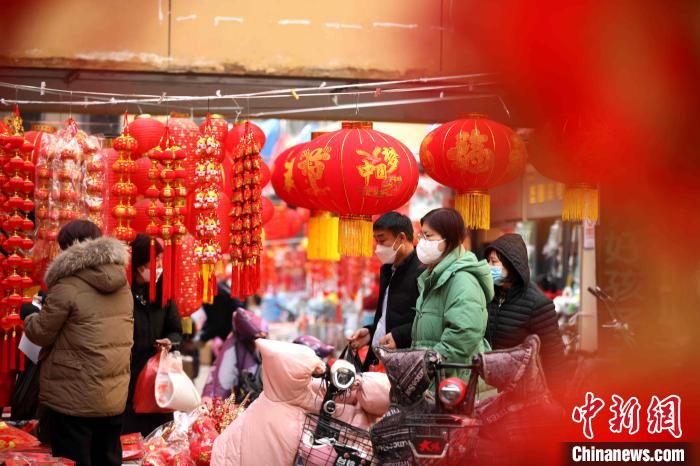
<point>43,327</point>
<point>464,319</point>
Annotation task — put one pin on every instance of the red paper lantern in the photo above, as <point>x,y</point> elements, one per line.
<point>185,133</point>
<point>265,175</point>
<point>574,151</point>
<point>282,178</point>
<point>235,136</point>
<point>268,210</point>
<point>285,223</point>
<point>356,172</point>
<point>323,226</point>
<point>147,131</point>
<point>472,155</point>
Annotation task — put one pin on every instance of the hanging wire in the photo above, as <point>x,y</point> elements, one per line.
<point>385,88</point>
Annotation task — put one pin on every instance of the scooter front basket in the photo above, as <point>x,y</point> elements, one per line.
<point>329,442</point>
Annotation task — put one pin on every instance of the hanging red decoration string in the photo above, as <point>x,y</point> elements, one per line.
<point>246,224</point>
<point>18,266</point>
<point>207,195</point>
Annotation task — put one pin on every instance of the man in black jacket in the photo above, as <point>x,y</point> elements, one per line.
<point>521,309</point>
<point>398,286</point>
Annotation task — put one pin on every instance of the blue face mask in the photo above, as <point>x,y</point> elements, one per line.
<point>497,275</point>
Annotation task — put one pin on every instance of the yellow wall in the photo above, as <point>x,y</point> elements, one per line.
<point>350,38</point>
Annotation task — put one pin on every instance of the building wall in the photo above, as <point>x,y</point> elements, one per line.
<point>358,38</point>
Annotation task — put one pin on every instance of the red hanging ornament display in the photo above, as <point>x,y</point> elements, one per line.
<point>18,168</point>
<point>190,298</point>
<point>246,224</point>
<point>206,197</point>
<point>171,228</point>
<point>124,190</point>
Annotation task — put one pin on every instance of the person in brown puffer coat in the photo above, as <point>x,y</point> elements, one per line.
<point>85,329</point>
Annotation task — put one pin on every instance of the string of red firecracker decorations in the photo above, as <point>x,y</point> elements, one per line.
<point>246,224</point>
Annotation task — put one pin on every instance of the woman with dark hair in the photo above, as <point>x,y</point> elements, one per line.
<point>85,329</point>
<point>155,327</point>
<point>520,308</point>
<point>454,290</point>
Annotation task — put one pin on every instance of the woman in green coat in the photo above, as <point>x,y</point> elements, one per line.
<point>455,288</point>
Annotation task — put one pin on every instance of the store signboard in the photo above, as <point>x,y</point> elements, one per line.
<point>543,197</point>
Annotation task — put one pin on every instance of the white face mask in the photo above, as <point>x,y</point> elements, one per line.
<point>146,274</point>
<point>386,254</point>
<point>428,251</point>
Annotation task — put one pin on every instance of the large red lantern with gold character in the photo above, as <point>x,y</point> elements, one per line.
<point>356,172</point>
<point>573,151</point>
<point>323,225</point>
<point>473,155</point>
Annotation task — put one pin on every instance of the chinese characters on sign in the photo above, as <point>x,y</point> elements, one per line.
<point>662,415</point>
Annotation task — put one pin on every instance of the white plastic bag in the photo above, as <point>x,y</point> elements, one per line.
<point>173,388</point>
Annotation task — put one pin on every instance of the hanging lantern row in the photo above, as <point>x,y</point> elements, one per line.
<point>18,187</point>
<point>246,210</point>
<point>472,155</point>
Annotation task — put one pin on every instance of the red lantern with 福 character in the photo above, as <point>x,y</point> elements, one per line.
<point>573,150</point>
<point>356,172</point>
<point>472,155</point>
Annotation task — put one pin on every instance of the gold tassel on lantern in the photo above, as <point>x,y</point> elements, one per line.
<point>323,237</point>
<point>355,236</point>
<point>580,203</point>
<point>474,206</point>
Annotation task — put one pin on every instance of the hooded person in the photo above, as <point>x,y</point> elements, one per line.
<point>269,431</point>
<point>85,329</point>
<point>454,291</point>
<point>237,361</point>
<point>155,327</point>
<point>521,309</point>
